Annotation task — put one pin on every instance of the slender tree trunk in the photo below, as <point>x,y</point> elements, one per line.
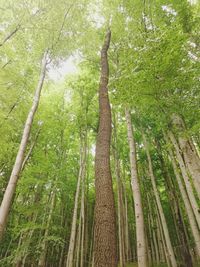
<point>186,179</point>
<point>188,208</point>
<point>152,231</point>
<point>70,255</point>
<point>11,187</point>
<point>42,259</point>
<point>30,150</point>
<point>119,198</point>
<point>126,227</point>
<point>160,209</point>
<point>105,244</point>
<point>190,156</point>
<point>82,223</point>
<point>139,217</point>
<point>163,238</point>
<point>175,209</point>
<point>10,35</point>
<point>78,243</point>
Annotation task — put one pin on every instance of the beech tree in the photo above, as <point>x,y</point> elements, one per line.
<point>100,140</point>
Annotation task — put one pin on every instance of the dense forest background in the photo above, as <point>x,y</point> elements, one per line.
<point>74,193</point>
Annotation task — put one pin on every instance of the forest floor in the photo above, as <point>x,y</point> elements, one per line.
<point>135,265</point>
<point>160,265</point>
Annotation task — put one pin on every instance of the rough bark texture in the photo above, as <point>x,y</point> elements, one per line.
<point>10,190</point>
<point>139,217</point>
<point>105,243</point>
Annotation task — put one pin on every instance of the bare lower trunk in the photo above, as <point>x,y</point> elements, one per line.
<point>11,187</point>
<point>186,179</point>
<point>105,244</point>
<point>70,255</point>
<point>169,247</point>
<point>120,206</point>
<point>139,217</point>
<point>190,155</point>
<point>42,259</point>
<point>188,208</point>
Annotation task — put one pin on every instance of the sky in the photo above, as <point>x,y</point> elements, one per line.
<point>67,67</point>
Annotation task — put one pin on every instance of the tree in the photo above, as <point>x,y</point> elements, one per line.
<point>105,251</point>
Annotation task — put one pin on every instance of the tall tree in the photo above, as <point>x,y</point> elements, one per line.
<point>170,251</point>
<point>139,216</point>
<point>11,187</point>
<point>105,249</point>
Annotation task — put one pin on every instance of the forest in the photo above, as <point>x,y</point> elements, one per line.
<point>99,133</point>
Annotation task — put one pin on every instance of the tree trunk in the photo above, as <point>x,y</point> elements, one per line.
<point>175,209</point>
<point>82,223</point>
<point>186,179</point>
<point>70,255</point>
<point>160,209</point>
<point>42,259</point>
<point>11,187</point>
<point>30,150</point>
<point>190,156</point>
<point>188,208</point>
<point>126,226</point>
<point>120,206</point>
<point>139,217</point>
<point>105,244</point>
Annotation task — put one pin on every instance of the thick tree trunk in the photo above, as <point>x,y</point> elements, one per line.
<point>105,243</point>
<point>139,217</point>
<point>11,187</point>
<point>170,250</point>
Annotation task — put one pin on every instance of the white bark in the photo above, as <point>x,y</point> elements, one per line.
<point>11,187</point>
<point>188,208</point>
<point>169,247</point>
<point>186,179</point>
<point>140,228</point>
<point>70,255</point>
<point>190,155</point>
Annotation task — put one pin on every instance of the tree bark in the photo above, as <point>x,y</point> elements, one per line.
<point>186,179</point>
<point>139,217</point>
<point>11,187</point>
<point>188,208</point>
<point>175,209</point>
<point>190,156</point>
<point>170,250</point>
<point>120,206</point>
<point>42,259</point>
<point>105,244</point>
<point>70,255</point>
